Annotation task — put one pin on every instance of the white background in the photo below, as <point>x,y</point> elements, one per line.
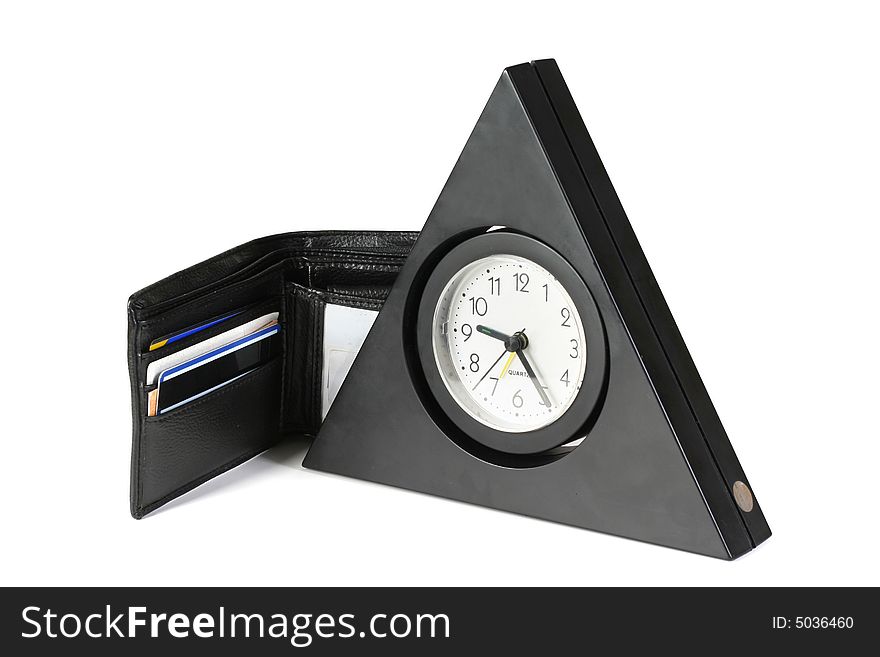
<point>139,138</point>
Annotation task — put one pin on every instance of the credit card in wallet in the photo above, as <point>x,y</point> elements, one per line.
<point>158,343</point>
<point>184,355</point>
<point>211,371</point>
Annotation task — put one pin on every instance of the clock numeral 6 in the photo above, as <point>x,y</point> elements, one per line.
<point>517,399</point>
<point>479,306</point>
<point>475,363</point>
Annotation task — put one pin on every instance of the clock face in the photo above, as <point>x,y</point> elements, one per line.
<point>510,347</point>
<point>509,343</point>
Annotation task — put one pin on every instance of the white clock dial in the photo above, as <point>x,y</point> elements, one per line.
<point>509,343</point>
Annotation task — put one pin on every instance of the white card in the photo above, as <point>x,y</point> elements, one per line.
<point>345,330</point>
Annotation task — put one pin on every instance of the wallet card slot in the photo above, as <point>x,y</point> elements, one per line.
<point>276,260</point>
<point>273,304</point>
<point>265,286</point>
<point>206,399</point>
<point>246,314</point>
<point>185,447</point>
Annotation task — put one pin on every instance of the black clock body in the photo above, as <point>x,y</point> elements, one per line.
<point>654,462</point>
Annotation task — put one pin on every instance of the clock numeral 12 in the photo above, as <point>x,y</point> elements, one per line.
<point>522,282</point>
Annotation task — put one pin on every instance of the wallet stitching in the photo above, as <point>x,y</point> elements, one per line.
<point>352,301</point>
<point>312,298</point>
<point>315,300</point>
<point>296,290</point>
<point>317,364</point>
<point>138,410</point>
<point>287,326</point>
<point>290,356</point>
<point>362,266</point>
<point>354,258</point>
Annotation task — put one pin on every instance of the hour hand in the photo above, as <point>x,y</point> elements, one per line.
<point>492,333</point>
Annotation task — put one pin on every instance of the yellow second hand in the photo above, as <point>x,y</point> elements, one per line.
<point>506,365</point>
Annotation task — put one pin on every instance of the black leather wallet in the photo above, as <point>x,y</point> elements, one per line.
<point>298,275</point>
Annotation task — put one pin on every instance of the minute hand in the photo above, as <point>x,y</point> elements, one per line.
<point>528,367</point>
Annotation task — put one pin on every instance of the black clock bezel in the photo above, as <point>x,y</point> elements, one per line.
<point>572,424</point>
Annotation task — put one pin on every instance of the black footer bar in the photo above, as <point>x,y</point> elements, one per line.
<point>432,621</point>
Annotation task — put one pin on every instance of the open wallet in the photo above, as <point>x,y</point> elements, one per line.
<point>231,355</point>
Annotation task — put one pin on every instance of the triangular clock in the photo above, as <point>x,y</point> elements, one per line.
<point>526,359</point>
